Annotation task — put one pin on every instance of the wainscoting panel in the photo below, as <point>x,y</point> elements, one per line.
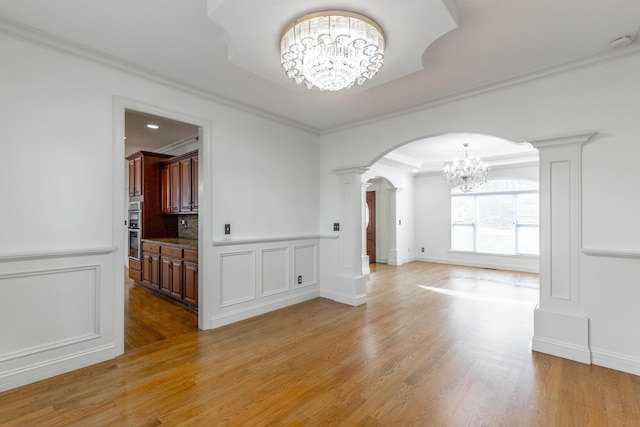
<point>63,309</point>
<point>256,276</point>
<point>57,313</point>
<point>305,265</point>
<point>237,277</point>
<point>274,264</point>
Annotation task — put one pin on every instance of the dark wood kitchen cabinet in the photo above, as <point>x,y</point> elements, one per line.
<point>190,278</point>
<point>180,184</point>
<point>135,176</point>
<point>145,184</point>
<point>189,185</point>
<point>171,188</point>
<point>151,266</point>
<point>171,271</point>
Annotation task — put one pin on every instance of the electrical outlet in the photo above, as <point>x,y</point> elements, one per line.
<point>336,226</point>
<point>399,222</point>
<point>421,249</point>
<point>227,229</point>
<point>299,280</point>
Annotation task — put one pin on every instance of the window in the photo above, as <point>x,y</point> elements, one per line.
<point>500,218</point>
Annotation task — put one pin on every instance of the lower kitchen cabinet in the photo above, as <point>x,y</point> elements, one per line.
<point>171,271</point>
<point>151,266</point>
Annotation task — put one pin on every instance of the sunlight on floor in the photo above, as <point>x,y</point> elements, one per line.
<point>477,297</point>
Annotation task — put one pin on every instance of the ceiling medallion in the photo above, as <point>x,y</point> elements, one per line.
<point>467,174</point>
<point>332,50</point>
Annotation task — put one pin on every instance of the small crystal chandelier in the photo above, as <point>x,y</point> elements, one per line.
<point>468,173</point>
<point>332,50</point>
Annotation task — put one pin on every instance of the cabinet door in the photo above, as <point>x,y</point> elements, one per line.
<point>137,176</point>
<point>190,283</point>
<point>132,178</point>
<point>174,179</point>
<point>155,271</point>
<point>176,279</point>
<point>194,184</point>
<point>185,185</point>
<point>166,190</point>
<point>165,275</point>
<point>146,267</point>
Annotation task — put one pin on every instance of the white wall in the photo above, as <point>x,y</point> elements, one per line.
<point>61,231</point>
<point>600,98</point>
<point>433,224</point>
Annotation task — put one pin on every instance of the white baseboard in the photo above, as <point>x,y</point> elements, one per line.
<point>561,349</point>
<point>619,362</point>
<point>495,266</point>
<point>229,317</point>
<point>344,299</point>
<point>52,367</point>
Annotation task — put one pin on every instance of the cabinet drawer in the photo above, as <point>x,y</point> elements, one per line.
<point>135,275</point>
<point>135,265</point>
<point>150,247</point>
<point>190,255</point>
<point>172,252</point>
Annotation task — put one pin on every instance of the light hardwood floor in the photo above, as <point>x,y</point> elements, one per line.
<point>435,345</point>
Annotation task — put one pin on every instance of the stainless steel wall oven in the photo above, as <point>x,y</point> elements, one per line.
<point>135,230</point>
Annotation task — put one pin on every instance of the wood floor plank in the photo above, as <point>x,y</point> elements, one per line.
<point>435,345</point>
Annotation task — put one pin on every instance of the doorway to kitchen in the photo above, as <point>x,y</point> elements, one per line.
<point>162,177</point>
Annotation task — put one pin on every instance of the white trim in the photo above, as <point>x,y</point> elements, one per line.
<point>27,256</point>
<point>55,43</point>
<point>249,241</point>
<point>50,368</point>
<point>613,253</point>
<point>344,298</point>
<point>615,361</point>
<point>274,304</point>
<point>509,267</point>
<point>561,349</point>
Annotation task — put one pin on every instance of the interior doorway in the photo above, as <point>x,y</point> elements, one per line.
<point>371,226</point>
<point>158,143</point>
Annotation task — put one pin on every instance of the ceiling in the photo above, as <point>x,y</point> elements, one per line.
<point>435,49</point>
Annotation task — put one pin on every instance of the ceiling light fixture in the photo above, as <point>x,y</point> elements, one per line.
<point>332,50</point>
<point>468,173</point>
<point>152,126</point>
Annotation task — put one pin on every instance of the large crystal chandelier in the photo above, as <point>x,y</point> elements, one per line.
<point>332,50</point>
<point>467,174</point>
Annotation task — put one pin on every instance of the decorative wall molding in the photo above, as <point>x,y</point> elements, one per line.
<point>54,43</point>
<point>611,253</point>
<point>25,256</point>
<point>273,270</point>
<point>305,264</point>
<point>76,336</point>
<point>237,277</point>
<point>257,240</point>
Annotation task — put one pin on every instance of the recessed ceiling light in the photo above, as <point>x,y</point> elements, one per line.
<point>621,41</point>
<point>152,126</point>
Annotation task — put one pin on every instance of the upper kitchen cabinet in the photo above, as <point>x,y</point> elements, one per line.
<point>143,173</point>
<point>189,184</point>
<point>180,184</point>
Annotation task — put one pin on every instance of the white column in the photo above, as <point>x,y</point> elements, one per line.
<point>560,328</point>
<point>365,258</point>
<point>393,257</point>
<point>350,283</point>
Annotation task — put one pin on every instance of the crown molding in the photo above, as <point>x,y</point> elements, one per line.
<point>594,60</point>
<point>52,42</point>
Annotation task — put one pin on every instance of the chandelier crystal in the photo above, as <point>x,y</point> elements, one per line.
<point>467,174</point>
<point>332,50</point>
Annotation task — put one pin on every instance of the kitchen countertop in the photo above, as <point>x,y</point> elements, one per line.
<point>175,242</point>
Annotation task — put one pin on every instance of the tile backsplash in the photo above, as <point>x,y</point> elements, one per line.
<point>191,232</point>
